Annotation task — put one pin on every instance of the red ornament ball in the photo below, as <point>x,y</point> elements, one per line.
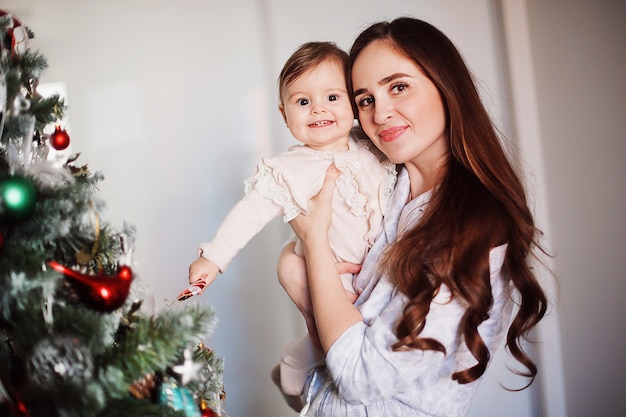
<point>207,412</point>
<point>59,140</point>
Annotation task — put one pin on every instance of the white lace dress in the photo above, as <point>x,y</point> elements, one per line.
<point>284,185</point>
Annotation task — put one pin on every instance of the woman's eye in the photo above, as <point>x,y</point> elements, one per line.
<point>303,101</point>
<point>365,102</point>
<point>398,88</point>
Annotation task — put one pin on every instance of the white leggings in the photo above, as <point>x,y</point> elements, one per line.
<point>297,359</point>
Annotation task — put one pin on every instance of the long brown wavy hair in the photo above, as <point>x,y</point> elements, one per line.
<point>479,204</point>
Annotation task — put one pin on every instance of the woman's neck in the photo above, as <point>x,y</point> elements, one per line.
<point>424,177</point>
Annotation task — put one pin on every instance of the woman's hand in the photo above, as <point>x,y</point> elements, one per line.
<point>317,222</point>
<point>333,312</point>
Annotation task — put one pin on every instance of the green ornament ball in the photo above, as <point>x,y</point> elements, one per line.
<point>18,197</point>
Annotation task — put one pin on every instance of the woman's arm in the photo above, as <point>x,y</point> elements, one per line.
<point>332,310</point>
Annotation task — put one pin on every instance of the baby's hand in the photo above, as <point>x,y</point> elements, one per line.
<point>202,269</point>
<point>193,289</point>
<point>202,272</point>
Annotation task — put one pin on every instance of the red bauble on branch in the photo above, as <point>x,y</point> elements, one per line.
<point>59,139</point>
<point>207,412</point>
<point>11,403</point>
<point>100,292</point>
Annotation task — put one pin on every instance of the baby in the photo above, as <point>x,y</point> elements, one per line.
<point>317,109</point>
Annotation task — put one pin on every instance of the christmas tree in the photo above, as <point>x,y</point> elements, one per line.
<point>74,338</point>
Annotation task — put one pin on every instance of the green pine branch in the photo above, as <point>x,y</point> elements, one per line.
<point>62,357</point>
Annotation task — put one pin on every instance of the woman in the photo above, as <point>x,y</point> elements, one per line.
<point>437,289</point>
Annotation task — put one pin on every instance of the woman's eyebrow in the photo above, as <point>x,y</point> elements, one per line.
<point>359,91</point>
<point>392,77</point>
<point>383,81</point>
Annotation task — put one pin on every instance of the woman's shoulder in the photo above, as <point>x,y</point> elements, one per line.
<point>496,256</point>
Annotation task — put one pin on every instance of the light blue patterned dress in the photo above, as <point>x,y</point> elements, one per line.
<point>364,377</point>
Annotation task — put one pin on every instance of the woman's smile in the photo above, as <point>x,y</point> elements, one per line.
<point>388,135</point>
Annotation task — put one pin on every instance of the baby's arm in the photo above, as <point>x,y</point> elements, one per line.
<point>240,225</point>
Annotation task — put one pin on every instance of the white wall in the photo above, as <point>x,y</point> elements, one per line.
<point>175,102</point>
<point>579,59</point>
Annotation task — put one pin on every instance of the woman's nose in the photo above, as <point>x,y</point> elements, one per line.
<point>382,112</point>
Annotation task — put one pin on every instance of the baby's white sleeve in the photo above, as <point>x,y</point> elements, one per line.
<point>246,219</point>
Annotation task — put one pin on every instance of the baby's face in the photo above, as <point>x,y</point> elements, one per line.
<point>317,108</point>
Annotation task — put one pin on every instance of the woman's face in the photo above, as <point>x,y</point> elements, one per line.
<point>400,109</point>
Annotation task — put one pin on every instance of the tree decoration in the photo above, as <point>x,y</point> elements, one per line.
<point>178,398</point>
<point>75,338</point>
<point>3,98</point>
<point>40,148</point>
<point>105,293</point>
<point>11,404</point>
<point>18,198</point>
<point>143,387</point>
<point>207,411</point>
<point>193,289</point>
<point>56,360</point>
<point>17,34</point>
<point>59,139</point>
<point>189,370</point>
